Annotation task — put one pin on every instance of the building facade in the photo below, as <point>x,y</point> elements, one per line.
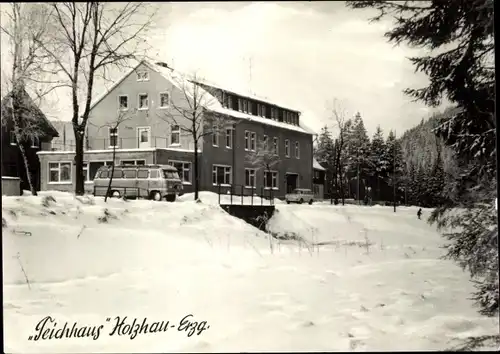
<point>319,180</point>
<point>143,117</point>
<point>32,118</point>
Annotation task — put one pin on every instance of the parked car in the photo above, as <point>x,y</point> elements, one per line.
<point>300,195</point>
<point>154,182</point>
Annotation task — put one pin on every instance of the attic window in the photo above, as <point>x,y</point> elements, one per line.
<point>142,76</point>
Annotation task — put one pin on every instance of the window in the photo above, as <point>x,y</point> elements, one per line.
<point>142,174</point>
<point>271,179</point>
<point>133,162</point>
<point>95,165</point>
<point>59,172</point>
<point>274,113</point>
<point>154,174</point>
<point>142,76</point>
<point>275,146</point>
<point>129,173</point>
<point>13,140</point>
<point>184,169</point>
<point>103,174</point>
<point>224,100</point>
<point>143,101</point>
<point>229,138</point>
<point>215,137</point>
<point>247,140</point>
<point>250,178</point>
<point>86,171</point>
<point>297,150</point>
<point>118,173</point>
<point>123,102</point>
<point>229,101</point>
<point>264,141</point>
<point>35,142</point>
<point>287,148</point>
<point>164,99</point>
<point>113,137</point>
<point>262,110</point>
<point>250,140</point>
<point>242,105</point>
<point>175,135</point>
<point>221,175</point>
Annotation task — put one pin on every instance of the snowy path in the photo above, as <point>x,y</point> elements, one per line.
<point>223,272</point>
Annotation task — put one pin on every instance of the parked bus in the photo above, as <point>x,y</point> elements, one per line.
<point>155,182</point>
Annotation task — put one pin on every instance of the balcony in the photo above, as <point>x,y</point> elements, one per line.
<point>122,143</point>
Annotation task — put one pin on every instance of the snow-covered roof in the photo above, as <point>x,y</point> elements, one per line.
<point>211,103</point>
<point>206,99</point>
<point>247,94</point>
<point>317,166</point>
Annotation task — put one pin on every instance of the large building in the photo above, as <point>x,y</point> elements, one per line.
<point>151,102</point>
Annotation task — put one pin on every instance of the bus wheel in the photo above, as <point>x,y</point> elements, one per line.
<point>115,194</point>
<point>171,198</point>
<point>156,196</point>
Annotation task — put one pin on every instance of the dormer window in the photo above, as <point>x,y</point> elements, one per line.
<point>142,75</point>
<point>261,110</point>
<point>224,100</point>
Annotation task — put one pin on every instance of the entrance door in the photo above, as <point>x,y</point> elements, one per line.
<point>291,182</point>
<point>144,136</point>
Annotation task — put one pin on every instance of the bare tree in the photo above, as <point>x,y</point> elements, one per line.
<point>192,116</point>
<point>114,125</point>
<point>27,25</point>
<point>89,39</point>
<point>339,115</point>
<point>264,157</point>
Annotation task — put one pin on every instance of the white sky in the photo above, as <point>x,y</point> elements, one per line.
<point>302,54</point>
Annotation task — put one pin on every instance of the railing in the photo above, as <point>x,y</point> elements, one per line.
<point>59,144</point>
<point>235,198</point>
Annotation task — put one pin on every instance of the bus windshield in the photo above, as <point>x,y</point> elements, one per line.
<point>170,174</point>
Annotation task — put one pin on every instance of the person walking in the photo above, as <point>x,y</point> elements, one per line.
<point>419,213</point>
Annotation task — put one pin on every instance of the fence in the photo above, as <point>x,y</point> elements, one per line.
<point>59,144</point>
<point>235,198</point>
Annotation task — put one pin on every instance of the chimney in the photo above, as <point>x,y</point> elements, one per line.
<point>165,65</point>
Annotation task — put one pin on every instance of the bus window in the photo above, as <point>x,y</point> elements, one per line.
<point>170,174</point>
<point>117,173</point>
<point>129,173</point>
<point>142,174</point>
<point>153,174</point>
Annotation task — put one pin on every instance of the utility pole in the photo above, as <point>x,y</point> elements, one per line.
<point>394,173</point>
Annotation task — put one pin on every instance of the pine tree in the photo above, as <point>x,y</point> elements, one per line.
<point>394,158</point>
<point>325,155</point>
<point>377,157</point>
<point>360,163</point>
<point>460,66</point>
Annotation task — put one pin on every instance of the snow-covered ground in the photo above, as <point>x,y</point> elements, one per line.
<point>357,278</point>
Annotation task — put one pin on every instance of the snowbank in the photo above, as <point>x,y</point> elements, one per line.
<point>68,258</point>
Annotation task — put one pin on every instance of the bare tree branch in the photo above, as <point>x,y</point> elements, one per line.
<point>87,39</point>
